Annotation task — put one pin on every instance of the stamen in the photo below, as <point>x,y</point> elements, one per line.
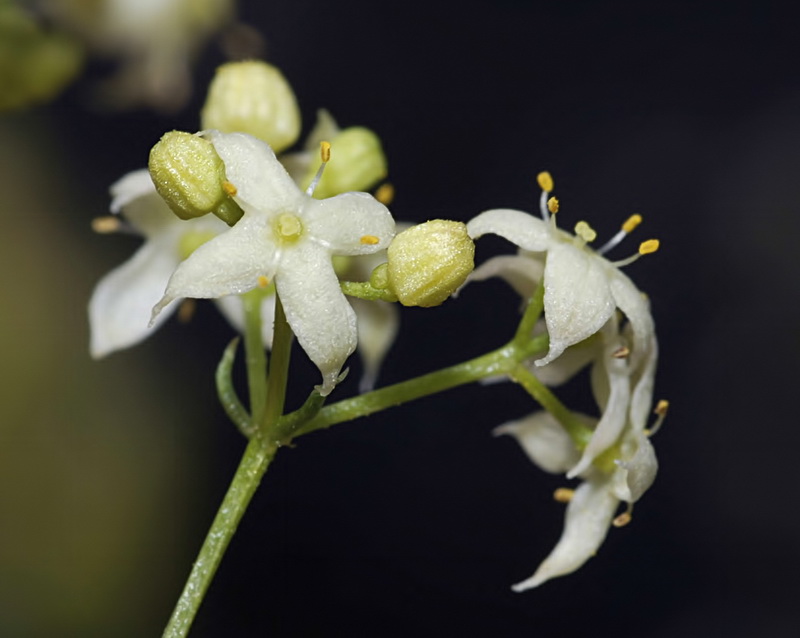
<point>661,409</point>
<point>229,188</point>
<point>621,353</point>
<point>105,225</point>
<point>263,282</point>
<point>370,240</point>
<point>630,224</point>
<point>585,232</point>
<point>545,181</point>
<point>385,193</point>
<point>563,495</point>
<point>649,246</point>
<point>645,248</point>
<point>623,519</point>
<point>325,156</point>
<point>186,310</point>
<point>552,205</point>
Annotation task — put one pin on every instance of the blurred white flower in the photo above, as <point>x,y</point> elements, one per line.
<point>154,42</point>
<point>286,235</point>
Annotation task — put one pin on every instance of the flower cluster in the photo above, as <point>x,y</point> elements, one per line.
<point>583,294</point>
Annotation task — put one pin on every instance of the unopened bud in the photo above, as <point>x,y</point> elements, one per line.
<point>253,97</point>
<point>190,177</point>
<point>428,262</point>
<point>357,163</point>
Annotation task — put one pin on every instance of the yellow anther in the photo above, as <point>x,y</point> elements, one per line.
<point>370,240</point>
<point>621,353</point>
<point>186,310</point>
<point>385,193</point>
<point>661,408</point>
<point>632,222</point>
<point>105,225</point>
<point>263,282</point>
<point>552,205</point>
<point>325,151</point>
<point>585,232</point>
<point>563,494</point>
<point>649,246</point>
<point>229,188</point>
<point>622,520</point>
<point>545,181</point>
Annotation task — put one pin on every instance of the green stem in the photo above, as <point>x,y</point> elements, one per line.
<point>256,357</point>
<point>279,370</point>
<point>530,316</point>
<point>577,431</point>
<point>226,393</point>
<point>257,456</point>
<point>254,463</point>
<point>497,362</point>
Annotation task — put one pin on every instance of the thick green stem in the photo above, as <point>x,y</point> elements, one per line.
<point>254,463</point>
<point>257,456</point>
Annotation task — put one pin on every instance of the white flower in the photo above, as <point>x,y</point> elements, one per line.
<point>287,236</point>
<point>592,507</point>
<point>582,291</point>
<point>122,301</point>
<point>582,288</point>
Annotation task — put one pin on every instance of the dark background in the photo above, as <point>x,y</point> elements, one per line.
<point>417,521</point>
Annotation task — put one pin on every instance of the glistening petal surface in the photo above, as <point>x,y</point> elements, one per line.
<point>522,229</point>
<point>316,309</point>
<point>261,181</point>
<point>339,223</point>
<point>577,301</point>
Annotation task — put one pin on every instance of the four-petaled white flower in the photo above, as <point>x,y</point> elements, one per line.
<point>287,236</point>
<point>594,503</point>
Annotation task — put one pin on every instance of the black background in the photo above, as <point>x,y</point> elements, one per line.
<point>417,521</point>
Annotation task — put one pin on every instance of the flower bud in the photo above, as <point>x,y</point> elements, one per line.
<point>357,163</point>
<point>190,177</point>
<point>253,97</point>
<point>428,262</point>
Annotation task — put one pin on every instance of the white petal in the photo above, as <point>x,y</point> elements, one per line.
<point>615,411</point>
<point>316,309</point>
<point>545,442</point>
<point>637,474</point>
<point>636,308</point>
<point>228,264</point>
<point>521,272</point>
<point>261,182</point>
<point>571,361</point>
<point>232,309</point>
<point>642,397</point>
<point>347,224</point>
<point>586,524</point>
<point>119,310</point>
<point>577,300</point>
<point>135,195</point>
<point>378,323</point>
<point>522,229</point>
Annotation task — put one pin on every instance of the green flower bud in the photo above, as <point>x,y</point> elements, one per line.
<point>428,262</point>
<point>190,177</point>
<point>357,164</point>
<point>253,97</point>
